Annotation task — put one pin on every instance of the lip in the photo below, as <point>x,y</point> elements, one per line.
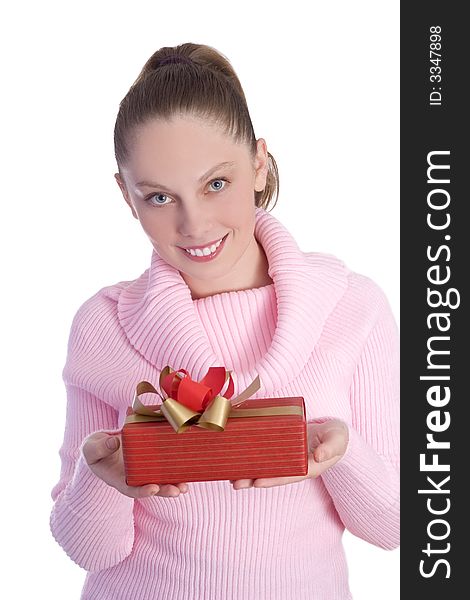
<point>209,256</point>
<point>208,245</point>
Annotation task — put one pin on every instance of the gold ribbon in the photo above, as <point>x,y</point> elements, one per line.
<point>214,417</point>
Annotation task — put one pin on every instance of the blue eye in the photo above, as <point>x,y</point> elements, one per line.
<point>220,181</point>
<point>158,196</point>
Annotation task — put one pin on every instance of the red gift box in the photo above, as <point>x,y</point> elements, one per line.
<point>265,437</point>
<point>248,448</point>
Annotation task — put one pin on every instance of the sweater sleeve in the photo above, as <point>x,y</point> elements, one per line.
<point>364,484</point>
<point>92,521</point>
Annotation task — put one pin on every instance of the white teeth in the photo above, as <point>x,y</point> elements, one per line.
<point>204,251</point>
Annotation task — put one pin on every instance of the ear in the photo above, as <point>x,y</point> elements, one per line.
<point>122,187</point>
<point>261,165</point>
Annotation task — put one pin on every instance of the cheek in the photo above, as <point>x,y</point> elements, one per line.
<point>239,207</point>
<point>155,229</point>
<point>238,217</point>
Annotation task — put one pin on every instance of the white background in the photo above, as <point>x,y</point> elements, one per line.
<point>322,84</point>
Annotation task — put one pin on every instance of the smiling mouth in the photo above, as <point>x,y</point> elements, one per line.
<point>207,253</point>
<point>205,250</point>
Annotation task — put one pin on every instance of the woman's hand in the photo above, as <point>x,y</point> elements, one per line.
<point>103,453</point>
<point>327,443</point>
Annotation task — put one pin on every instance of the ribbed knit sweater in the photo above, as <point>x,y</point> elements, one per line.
<point>319,331</point>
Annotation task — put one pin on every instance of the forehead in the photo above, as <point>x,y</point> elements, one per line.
<point>187,143</point>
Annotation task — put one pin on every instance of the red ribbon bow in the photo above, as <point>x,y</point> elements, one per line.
<point>197,395</point>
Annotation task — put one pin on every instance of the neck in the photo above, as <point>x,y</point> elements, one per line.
<point>250,272</point>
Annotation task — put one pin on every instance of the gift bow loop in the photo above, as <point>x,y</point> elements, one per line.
<point>196,395</point>
<point>196,403</point>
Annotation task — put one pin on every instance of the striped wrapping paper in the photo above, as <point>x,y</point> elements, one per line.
<point>248,448</point>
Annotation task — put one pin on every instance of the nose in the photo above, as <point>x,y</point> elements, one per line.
<point>194,223</point>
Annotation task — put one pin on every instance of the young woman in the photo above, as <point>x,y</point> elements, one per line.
<point>227,286</point>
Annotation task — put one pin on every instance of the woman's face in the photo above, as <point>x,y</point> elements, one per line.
<point>190,186</point>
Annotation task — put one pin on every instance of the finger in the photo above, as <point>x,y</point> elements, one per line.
<point>141,491</point>
<point>333,444</point>
<point>99,448</point>
<point>240,484</point>
<point>312,436</point>
<point>152,489</point>
<point>314,470</point>
<point>144,491</point>
<point>169,490</point>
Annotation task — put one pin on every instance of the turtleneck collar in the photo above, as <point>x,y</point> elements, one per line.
<point>159,318</point>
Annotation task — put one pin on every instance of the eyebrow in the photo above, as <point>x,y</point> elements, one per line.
<point>201,179</point>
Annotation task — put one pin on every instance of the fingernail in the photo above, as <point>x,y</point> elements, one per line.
<point>155,492</point>
<point>111,443</point>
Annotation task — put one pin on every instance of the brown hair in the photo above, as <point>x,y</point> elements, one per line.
<point>190,79</point>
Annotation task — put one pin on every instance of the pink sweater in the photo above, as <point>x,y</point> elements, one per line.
<point>321,332</point>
